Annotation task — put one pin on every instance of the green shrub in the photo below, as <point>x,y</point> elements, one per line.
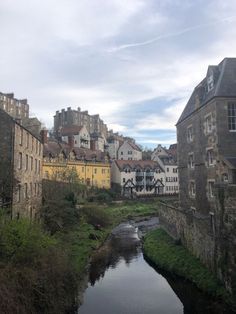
<point>96,215</point>
<point>161,249</point>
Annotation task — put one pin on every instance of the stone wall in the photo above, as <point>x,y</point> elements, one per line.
<point>212,238</point>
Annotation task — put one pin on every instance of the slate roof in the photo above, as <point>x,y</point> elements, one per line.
<point>133,164</point>
<point>224,76</point>
<point>134,146</point>
<point>168,160</point>
<point>72,130</point>
<point>230,161</point>
<point>53,149</point>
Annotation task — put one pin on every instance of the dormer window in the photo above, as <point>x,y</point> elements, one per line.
<point>210,83</point>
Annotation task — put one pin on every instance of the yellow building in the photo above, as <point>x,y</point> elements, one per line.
<point>92,167</point>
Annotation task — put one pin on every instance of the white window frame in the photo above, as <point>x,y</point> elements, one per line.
<point>231,116</point>
<point>190,134</point>
<point>192,189</point>
<point>210,161</point>
<point>191,164</point>
<point>208,123</point>
<point>210,185</point>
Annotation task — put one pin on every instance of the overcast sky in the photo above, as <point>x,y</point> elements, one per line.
<point>135,62</point>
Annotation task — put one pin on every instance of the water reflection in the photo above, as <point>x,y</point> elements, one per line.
<point>122,281</point>
<point>115,250</point>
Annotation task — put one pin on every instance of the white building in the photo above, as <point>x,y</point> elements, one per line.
<point>129,151</point>
<point>76,136</point>
<point>168,162</point>
<point>143,177</point>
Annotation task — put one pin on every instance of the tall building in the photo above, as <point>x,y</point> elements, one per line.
<point>70,117</point>
<point>19,110</point>
<point>206,131</point>
<point>20,169</point>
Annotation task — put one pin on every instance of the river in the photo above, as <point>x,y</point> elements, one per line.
<point>121,281</point>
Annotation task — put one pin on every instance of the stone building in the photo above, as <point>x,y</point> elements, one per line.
<point>167,160</point>
<point>129,151</point>
<point>70,117</point>
<point>138,177</point>
<point>20,169</point>
<point>19,110</point>
<point>206,133</point>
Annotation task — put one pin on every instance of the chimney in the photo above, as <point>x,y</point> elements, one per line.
<point>71,141</point>
<point>93,145</point>
<point>44,136</point>
<point>18,120</point>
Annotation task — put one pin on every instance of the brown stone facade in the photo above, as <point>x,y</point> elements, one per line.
<point>21,162</point>
<point>17,108</point>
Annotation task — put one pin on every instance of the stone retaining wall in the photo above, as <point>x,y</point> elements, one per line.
<point>210,237</point>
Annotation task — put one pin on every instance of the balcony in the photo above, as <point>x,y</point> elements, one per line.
<point>139,183</point>
<point>140,174</point>
<point>150,174</point>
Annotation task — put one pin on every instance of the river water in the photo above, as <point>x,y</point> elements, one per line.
<point>121,281</point>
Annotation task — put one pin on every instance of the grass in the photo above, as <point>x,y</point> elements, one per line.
<point>84,238</point>
<point>160,248</point>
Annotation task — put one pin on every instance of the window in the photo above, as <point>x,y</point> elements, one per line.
<point>21,136</point>
<point>130,152</point>
<point>190,161</point>
<point>19,193</point>
<point>211,189</point>
<point>27,140</point>
<point>25,190</point>
<point>210,157</point>
<point>167,169</point>
<point>208,123</point>
<point>121,153</point>
<point>123,180</point>
<point>31,163</point>
<point>103,171</point>
<point>95,170</point>
<point>26,162</point>
<point>190,133</point>
<point>20,161</point>
<point>232,116</point>
<point>31,189</point>
<point>192,189</point>
<point>36,165</point>
<point>210,83</point>
<point>225,177</point>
